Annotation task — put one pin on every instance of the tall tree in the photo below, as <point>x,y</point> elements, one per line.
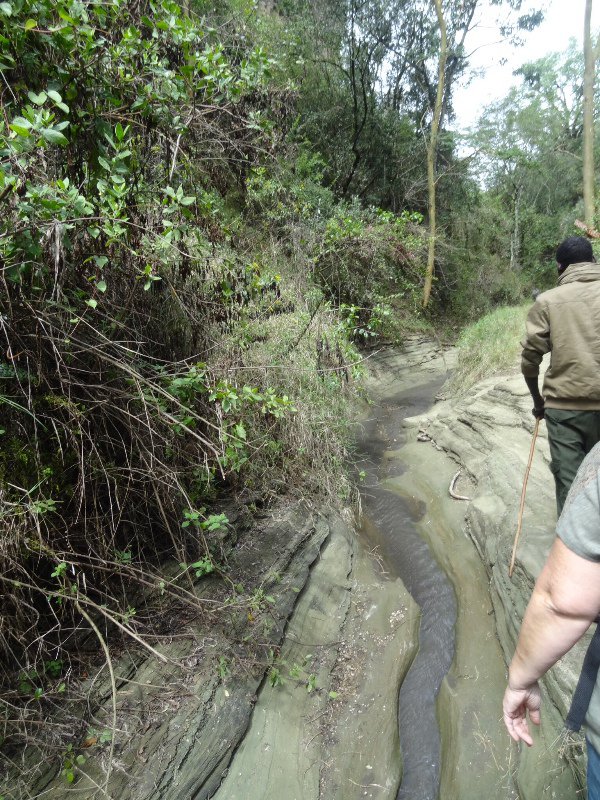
<point>589,57</point>
<point>432,148</point>
<point>529,148</point>
<point>454,24</point>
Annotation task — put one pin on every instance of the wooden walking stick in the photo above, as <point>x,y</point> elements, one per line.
<point>522,506</point>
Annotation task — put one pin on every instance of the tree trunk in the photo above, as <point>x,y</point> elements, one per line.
<point>515,238</point>
<point>432,147</point>
<point>588,118</point>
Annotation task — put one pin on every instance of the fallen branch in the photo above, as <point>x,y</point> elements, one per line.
<point>451,491</point>
<point>591,233</point>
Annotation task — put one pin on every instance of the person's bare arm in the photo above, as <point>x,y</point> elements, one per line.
<point>564,603</point>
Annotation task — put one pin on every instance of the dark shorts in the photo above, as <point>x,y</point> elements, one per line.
<point>571,435</point>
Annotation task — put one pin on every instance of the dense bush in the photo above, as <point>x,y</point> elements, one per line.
<point>150,345</point>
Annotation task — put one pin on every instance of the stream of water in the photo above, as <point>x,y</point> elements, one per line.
<point>390,522</point>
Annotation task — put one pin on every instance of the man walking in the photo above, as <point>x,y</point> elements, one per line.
<point>565,321</point>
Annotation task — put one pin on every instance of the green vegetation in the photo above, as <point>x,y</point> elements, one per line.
<point>209,210</point>
<point>489,346</point>
<point>182,299</point>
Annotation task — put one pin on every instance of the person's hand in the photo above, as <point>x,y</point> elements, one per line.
<point>538,410</point>
<point>516,705</point>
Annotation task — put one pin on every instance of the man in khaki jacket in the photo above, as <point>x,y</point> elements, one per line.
<point>565,321</point>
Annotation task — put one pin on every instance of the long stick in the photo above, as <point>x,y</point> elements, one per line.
<point>522,506</point>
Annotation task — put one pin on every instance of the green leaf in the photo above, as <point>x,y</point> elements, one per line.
<point>22,122</point>
<point>100,261</point>
<point>6,9</point>
<point>38,99</point>
<point>91,302</point>
<point>101,286</point>
<point>53,136</point>
<point>63,15</point>
<point>20,129</point>
<point>30,24</point>
<point>58,101</point>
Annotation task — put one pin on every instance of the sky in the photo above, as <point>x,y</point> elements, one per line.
<point>562,19</point>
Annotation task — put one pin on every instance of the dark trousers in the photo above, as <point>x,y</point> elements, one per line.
<point>571,435</point>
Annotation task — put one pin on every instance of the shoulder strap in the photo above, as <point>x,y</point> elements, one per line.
<point>585,684</point>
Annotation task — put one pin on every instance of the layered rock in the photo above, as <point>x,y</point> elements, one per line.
<point>299,701</point>
<point>488,433</point>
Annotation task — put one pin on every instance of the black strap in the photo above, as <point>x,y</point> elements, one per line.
<point>585,684</point>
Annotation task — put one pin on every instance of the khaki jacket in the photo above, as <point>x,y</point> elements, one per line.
<point>565,321</point>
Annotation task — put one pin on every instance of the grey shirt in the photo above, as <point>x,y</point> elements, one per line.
<point>579,528</point>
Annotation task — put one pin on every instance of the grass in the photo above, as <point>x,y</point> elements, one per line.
<point>490,346</point>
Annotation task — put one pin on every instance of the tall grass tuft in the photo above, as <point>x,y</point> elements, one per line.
<point>489,346</point>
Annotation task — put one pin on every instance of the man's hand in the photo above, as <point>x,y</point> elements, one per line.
<point>516,704</point>
<point>538,410</point>
<point>538,400</point>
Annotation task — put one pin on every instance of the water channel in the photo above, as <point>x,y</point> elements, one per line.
<point>390,525</point>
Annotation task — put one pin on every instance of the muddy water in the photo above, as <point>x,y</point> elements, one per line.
<point>390,525</point>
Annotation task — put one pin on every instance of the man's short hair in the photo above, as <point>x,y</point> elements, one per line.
<point>574,250</point>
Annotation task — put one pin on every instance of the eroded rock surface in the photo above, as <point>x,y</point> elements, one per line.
<point>488,433</point>
<point>304,704</point>
<point>338,636</point>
